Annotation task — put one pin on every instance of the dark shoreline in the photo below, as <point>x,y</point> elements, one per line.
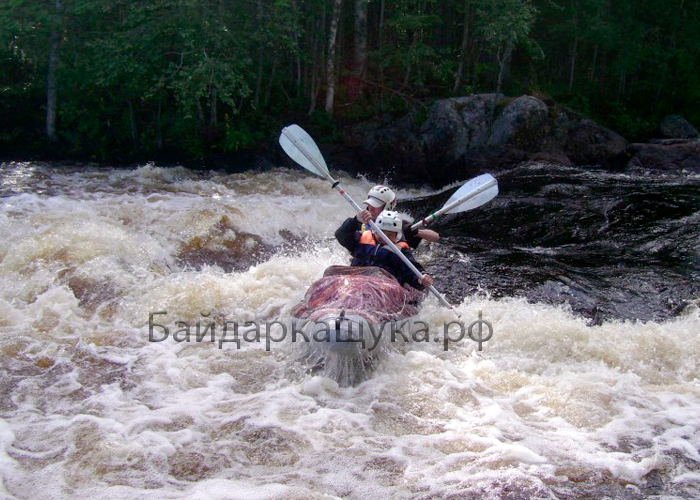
<point>457,139</point>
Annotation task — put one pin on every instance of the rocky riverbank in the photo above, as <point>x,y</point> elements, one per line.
<point>461,137</point>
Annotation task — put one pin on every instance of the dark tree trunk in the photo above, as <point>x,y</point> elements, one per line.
<point>213,112</point>
<point>463,48</point>
<point>572,70</point>
<point>134,131</point>
<point>51,99</point>
<point>330,64</point>
<point>360,38</point>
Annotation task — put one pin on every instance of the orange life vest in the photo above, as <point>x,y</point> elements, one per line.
<point>368,238</point>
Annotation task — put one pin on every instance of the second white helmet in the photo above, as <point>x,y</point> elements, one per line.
<point>390,221</point>
<point>381,196</point>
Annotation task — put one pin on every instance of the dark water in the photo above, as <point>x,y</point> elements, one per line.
<point>623,246</point>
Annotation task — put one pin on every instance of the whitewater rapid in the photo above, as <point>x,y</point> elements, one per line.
<point>89,407</point>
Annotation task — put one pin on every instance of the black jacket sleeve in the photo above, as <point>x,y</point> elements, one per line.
<point>410,235</point>
<point>348,234</point>
<point>407,276</point>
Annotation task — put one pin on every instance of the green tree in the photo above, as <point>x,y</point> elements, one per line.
<point>503,25</point>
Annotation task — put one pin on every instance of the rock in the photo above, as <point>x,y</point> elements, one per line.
<point>453,140</point>
<point>553,156</point>
<point>488,159</point>
<point>671,156</point>
<point>475,111</point>
<point>458,139</point>
<point>669,142</point>
<point>453,126</point>
<point>677,127</point>
<point>342,157</point>
<point>591,144</point>
<point>520,124</point>
<point>443,131</point>
<point>386,147</point>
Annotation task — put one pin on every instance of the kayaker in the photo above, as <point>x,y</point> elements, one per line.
<point>371,251</point>
<point>379,198</point>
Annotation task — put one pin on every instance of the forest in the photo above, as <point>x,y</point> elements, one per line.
<point>121,80</point>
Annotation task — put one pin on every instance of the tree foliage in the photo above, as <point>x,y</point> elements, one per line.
<point>138,78</point>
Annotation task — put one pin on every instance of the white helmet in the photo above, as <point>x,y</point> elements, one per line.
<point>380,196</point>
<point>390,221</point>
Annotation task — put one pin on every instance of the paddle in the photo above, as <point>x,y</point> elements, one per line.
<point>302,149</point>
<point>476,192</point>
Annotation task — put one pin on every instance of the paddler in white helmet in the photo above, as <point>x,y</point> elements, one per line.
<point>370,250</point>
<point>379,198</point>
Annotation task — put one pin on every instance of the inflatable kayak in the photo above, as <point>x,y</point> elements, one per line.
<point>351,315</point>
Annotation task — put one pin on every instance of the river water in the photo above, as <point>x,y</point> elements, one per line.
<point>588,387</point>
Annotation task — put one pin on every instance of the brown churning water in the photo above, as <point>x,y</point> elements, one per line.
<point>552,408</point>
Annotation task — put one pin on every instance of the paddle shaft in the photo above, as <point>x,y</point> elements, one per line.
<point>336,186</point>
<point>447,208</point>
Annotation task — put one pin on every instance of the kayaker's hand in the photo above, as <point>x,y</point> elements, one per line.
<point>364,216</point>
<point>426,280</point>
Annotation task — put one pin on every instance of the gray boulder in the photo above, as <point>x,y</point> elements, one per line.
<point>443,131</point>
<point>589,143</point>
<point>521,123</point>
<point>454,126</point>
<point>677,127</point>
<point>475,111</point>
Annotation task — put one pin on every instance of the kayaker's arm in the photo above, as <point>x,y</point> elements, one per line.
<point>414,237</point>
<point>348,234</point>
<point>428,235</point>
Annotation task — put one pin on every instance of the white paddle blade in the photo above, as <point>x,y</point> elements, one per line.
<point>475,201</point>
<point>302,149</point>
